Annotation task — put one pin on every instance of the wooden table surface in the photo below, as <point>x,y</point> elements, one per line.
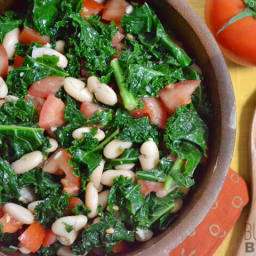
<point>244,83</point>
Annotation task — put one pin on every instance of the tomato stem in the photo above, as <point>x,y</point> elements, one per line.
<point>249,11</point>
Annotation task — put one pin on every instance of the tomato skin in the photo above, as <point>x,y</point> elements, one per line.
<point>91,7</point>
<point>73,202</point>
<point>89,108</point>
<point>4,60</point>
<point>150,186</point>
<point>117,38</point>
<point>49,239</point>
<point>18,61</point>
<point>32,238</point>
<point>46,86</point>
<point>177,95</point>
<point>38,102</point>
<point>237,41</point>
<point>115,10</point>
<point>9,224</point>
<point>52,113</point>
<point>29,36</point>
<point>120,247</point>
<point>154,109</point>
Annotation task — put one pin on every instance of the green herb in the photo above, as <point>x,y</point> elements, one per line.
<point>68,227</point>
<point>11,248</point>
<point>7,238</point>
<point>80,209</point>
<point>50,250</point>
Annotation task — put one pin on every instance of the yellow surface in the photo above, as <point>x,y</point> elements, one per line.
<point>244,83</point>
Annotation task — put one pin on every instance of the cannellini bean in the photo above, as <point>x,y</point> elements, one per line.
<point>2,103</point>
<point>28,162</point>
<point>3,88</point>
<point>67,238</point>
<point>96,175</point>
<point>76,89</point>
<point>19,213</point>
<point>115,148</point>
<point>11,98</point>
<point>129,9</point>
<point>96,220</point>
<point>27,195</point>
<point>184,190</point>
<point>60,46</point>
<point>66,251</point>
<point>100,188</point>
<point>124,167</point>
<point>23,250</point>
<point>33,205</point>
<point>10,41</point>
<point>163,192</point>
<point>10,68</point>
<point>100,1</point>
<point>91,200</point>
<point>92,83</point>
<point>107,177</point>
<point>105,94</point>
<point>39,52</point>
<point>53,145</point>
<point>177,205</point>
<point>103,198</point>
<point>143,235</point>
<point>150,155</point>
<point>78,133</point>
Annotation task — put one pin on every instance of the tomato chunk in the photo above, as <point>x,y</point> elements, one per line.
<point>177,95</point>
<point>150,186</point>
<point>3,61</point>
<point>38,102</point>
<point>58,164</point>
<point>52,113</point>
<point>49,239</point>
<point>89,108</point>
<point>120,247</point>
<point>91,7</point>
<point>116,40</point>
<point>46,86</point>
<point>29,36</point>
<point>32,238</point>
<point>18,61</point>
<point>115,10</point>
<point>154,109</point>
<point>73,202</point>
<point>9,224</point>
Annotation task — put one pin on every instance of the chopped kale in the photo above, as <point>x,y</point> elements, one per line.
<point>50,250</point>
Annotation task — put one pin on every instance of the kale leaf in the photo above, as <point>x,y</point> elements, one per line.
<point>32,70</point>
<point>8,238</point>
<point>49,250</point>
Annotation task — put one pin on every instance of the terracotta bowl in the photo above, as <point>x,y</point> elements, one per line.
<point>198,42</point>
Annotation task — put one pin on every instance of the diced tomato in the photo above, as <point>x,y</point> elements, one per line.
<point>177,95</point>
<point>9,224</point>
<point>49,239</point>
<point>120,247</point>
<point>58,164</point>
<point>38,102</point>
<point>52,113</point>
<point>117,38</point>
<point>89,108</point>
<point>29,36</point>
<point>73,202</point>
<point>46,86</point>
<point>18,61</point>
<point>114,10</point>
<point>91,7</point>
<point>150,186</point>
<point>3,61</point>
<point>32,238</point>
<point>154,109</point>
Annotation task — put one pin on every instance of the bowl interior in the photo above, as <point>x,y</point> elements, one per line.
<point>198,42</point>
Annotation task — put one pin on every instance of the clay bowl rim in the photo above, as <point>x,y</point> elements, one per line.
<point>170,240</point>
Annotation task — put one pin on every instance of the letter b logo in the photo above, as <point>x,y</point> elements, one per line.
<point>249,247</point>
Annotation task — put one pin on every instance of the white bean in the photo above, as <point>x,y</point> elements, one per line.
<point>96,220</point>
<point>107,177</point>
<point>100,1</point>
<point>143,235</point>
<point>103,199</point>
<point>96,175</point>
<point>40,52</point>
<point>10,41</point>
<point>115,148</point>
<point>59,228</point>
<point>124,167</point>
<point>78,133</point>
<point>3,88</point>
<point>60,46</point>
<point>92,83</point>
<point>27,195</point>
<point>100,188</point>
<point>23,249</point>
<point>2,103</point>
<point>129,9</point>
<point>76,89</point>
<point>19,213</point>
<point>91,199</point>
<point>150,155</point>
<point>33,205</point>
<point>53,145</point>
<point>177,205</point>
<point>11,98</point>
<point>28,162</point>
<point>105,94</point>
<point>10,68</point>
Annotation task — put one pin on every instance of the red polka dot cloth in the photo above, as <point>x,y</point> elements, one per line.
<point>219,221</point>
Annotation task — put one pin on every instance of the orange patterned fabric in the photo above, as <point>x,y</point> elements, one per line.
<point>219,221</point>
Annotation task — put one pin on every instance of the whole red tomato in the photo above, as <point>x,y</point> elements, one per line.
<point>237,40</point>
